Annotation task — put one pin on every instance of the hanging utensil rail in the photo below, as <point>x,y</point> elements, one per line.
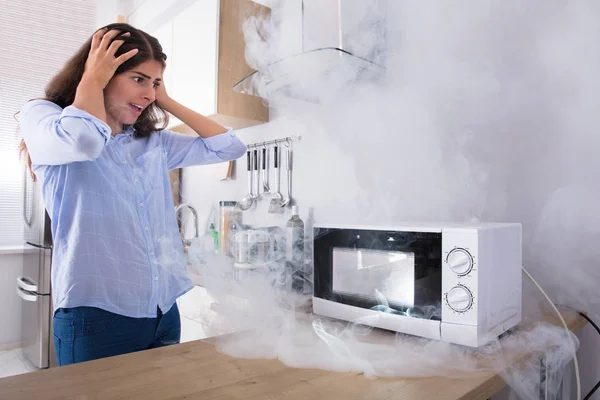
<point>287,140</point>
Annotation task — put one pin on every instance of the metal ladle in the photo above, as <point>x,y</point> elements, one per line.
<point>247,201</point>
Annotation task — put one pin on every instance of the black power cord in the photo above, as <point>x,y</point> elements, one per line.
<point>587,396</point>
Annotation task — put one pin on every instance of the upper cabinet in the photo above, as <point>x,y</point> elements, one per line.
<point>205,48</point>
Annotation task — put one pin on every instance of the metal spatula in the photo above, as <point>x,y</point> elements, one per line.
<point>288,201</point>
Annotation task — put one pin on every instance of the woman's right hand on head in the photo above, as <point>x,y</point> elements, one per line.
<point>102,63</point>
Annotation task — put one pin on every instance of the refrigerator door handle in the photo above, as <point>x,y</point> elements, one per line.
<point>27,296</point>
<point>28,219</point>
<point>37,246</point>
<point>26,284</point>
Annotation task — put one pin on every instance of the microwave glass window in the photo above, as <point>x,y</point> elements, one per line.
<point>381,276</point>
<point>395,272</point>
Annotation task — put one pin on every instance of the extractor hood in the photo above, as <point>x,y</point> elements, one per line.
<point>301,74</point>
<point>304,74</point>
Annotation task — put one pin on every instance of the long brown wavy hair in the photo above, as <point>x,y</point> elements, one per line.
<point>62,88</point>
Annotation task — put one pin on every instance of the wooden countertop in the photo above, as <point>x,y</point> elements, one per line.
<point>195,370</point>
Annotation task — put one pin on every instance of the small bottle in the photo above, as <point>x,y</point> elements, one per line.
<point>295,250</point>
<point>215,236</point>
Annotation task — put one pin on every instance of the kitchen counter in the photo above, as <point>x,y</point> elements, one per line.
<point>195,370</point>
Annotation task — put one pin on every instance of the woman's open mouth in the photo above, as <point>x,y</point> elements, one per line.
<point>136,108</point>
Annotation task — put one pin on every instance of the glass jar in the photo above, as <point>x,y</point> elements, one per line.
<point>230,217</point>
<point>241,248</point>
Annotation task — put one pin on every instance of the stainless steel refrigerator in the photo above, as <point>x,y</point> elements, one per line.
<point>34,286</point>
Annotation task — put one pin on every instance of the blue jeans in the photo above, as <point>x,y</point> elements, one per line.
<point>87,333</point>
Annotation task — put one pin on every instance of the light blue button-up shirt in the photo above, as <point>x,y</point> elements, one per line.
<point>116,240</point>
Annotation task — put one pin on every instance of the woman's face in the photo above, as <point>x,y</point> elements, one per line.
<point>129,93</point>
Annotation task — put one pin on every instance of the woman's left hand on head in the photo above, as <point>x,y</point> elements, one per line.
<point>162,98</point>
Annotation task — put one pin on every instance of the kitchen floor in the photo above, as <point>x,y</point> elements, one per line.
<point>12,363</point>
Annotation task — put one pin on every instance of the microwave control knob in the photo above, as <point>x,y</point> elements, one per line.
<point>460,261</point>
<point>459,298</point>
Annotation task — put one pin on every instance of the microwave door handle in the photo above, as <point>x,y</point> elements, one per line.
<point>26,284</point>
<point>27,296</point>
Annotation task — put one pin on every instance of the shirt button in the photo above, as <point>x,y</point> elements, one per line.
<point>124,162</point>
<point>146,228</point>
<point>151,253</point>
<point>156,278</point>
<point>141,204</point>
<point>135,180</point>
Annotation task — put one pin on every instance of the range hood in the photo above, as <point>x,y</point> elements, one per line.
<point>303,74</point>
<point>298,75</point>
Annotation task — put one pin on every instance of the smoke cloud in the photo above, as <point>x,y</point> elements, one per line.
<point>469,111</point>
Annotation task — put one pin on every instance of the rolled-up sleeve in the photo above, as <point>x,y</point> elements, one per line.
<point>188,150</point>
<point>56,136</point>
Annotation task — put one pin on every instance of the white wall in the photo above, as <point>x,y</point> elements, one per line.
<point>107,11</point>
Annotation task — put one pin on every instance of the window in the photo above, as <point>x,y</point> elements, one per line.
<point>37,38</point>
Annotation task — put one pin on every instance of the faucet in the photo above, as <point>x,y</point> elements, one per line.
<point>187,243</point>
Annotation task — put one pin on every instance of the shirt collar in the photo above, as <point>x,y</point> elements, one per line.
<point>128,129</point>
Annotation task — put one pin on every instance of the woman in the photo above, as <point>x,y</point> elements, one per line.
<point>103,165</point>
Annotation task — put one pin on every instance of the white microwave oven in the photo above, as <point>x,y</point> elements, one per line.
<point>459,283</point>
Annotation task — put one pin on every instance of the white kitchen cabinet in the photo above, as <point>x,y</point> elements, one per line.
<point>164,34</point>
<point>205,50</point>
<point>194,56</point>
<point>195,304</point>
<point>196,314</point>
<point>192,330</point>
<point>200,317</point>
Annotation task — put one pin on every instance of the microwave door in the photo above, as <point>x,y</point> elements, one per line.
<point>397,272</point>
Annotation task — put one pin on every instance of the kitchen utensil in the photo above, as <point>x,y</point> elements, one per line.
<point>256,193</point>
<point>247,201</point>
<point>265,171</point>
<point>288,201</point>
<point>275,206</point>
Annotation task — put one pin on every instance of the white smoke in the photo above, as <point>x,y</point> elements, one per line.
<point>485,111</point>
